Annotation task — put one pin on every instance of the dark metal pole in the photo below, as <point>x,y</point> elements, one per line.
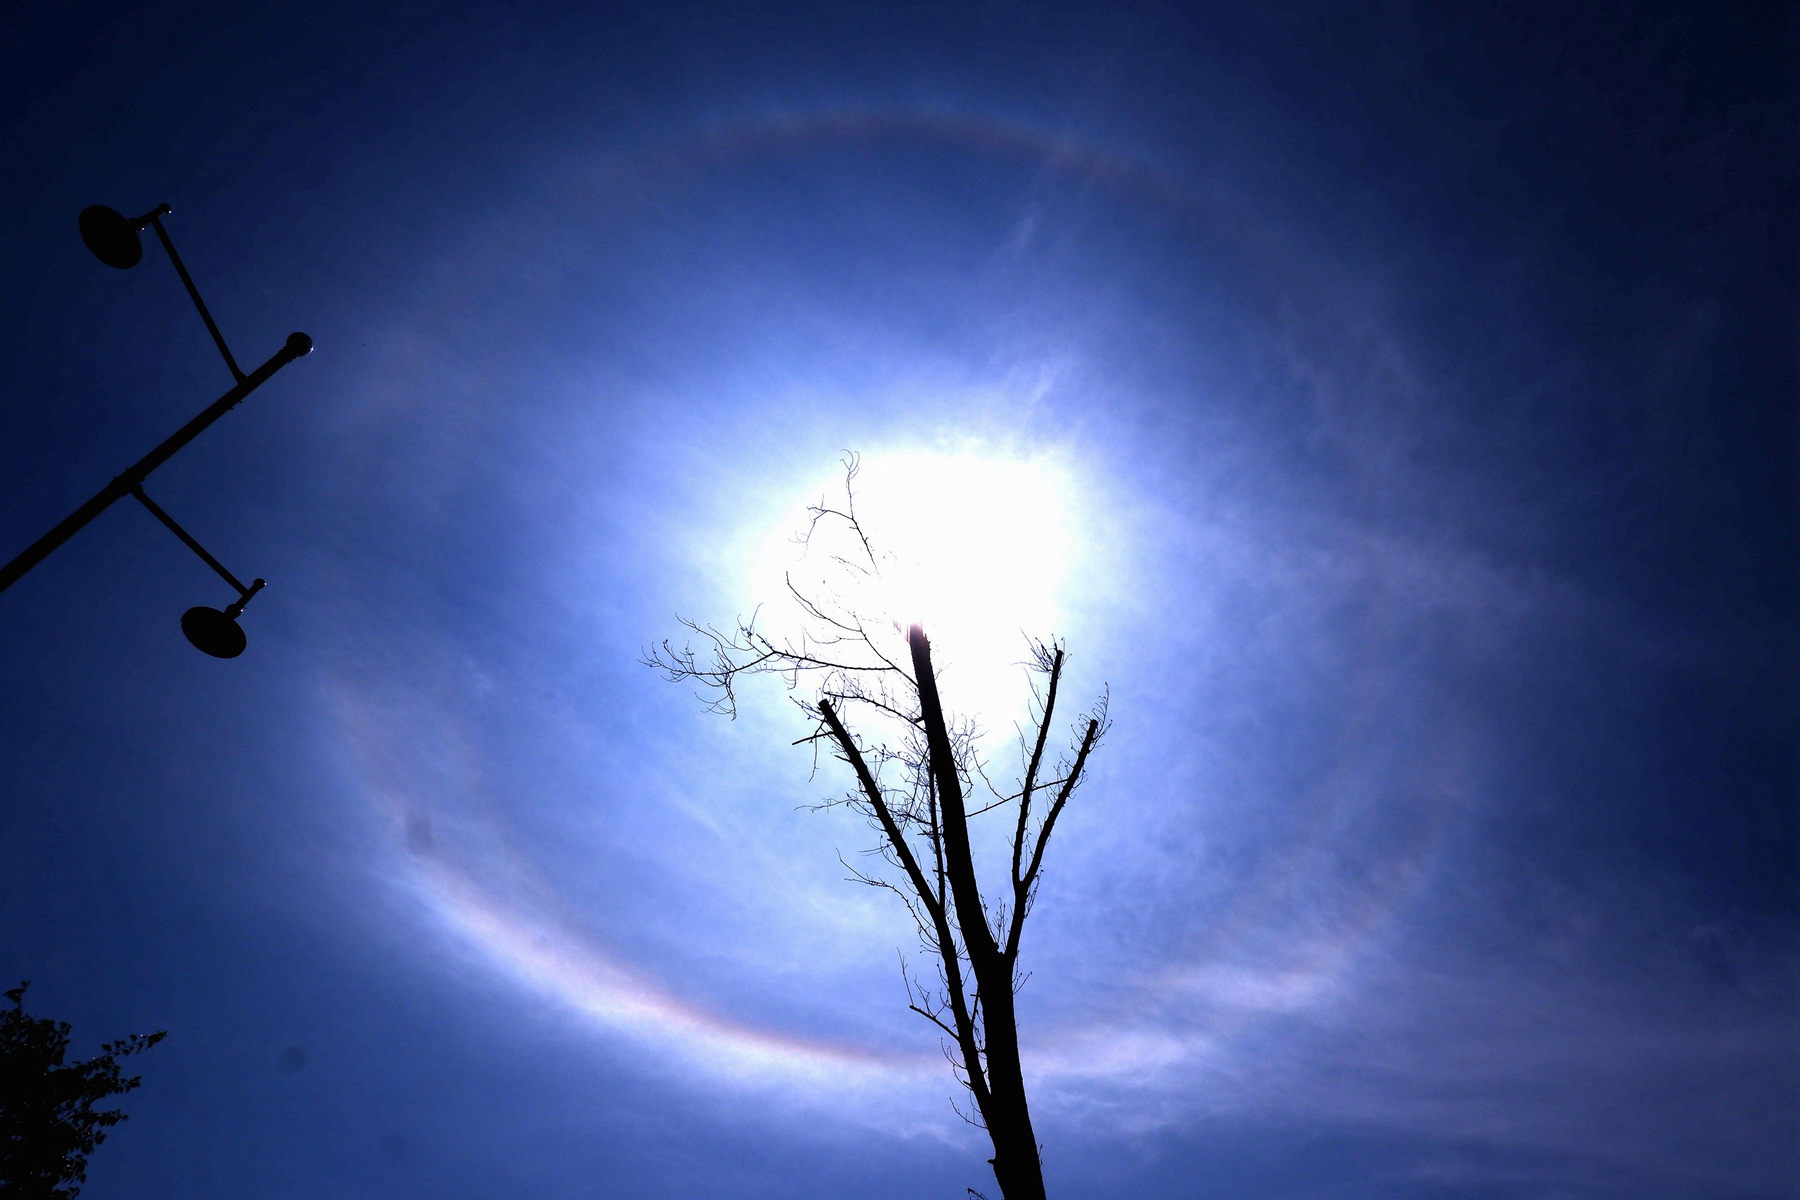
<point>188,540</point>
<point>188,281</point>
<point>298,344</point>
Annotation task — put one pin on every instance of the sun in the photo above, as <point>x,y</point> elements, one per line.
<point>979,546</point>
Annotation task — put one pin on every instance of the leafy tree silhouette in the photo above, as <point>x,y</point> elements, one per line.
<point>48,1123</point>
<point>914,788</point>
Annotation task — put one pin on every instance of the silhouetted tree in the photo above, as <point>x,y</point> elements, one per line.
<point>48,1124</point>
<point>915,789</point>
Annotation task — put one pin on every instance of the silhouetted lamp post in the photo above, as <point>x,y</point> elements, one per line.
<point>114,240</point>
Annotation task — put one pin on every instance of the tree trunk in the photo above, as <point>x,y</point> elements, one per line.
<point>1017,1168</point>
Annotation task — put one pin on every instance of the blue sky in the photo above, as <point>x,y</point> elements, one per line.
<point>1393,408</point>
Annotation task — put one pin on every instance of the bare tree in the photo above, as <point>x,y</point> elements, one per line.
<point>914,785</point>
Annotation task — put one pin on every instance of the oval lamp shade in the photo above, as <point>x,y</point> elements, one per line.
<point>111,237</point>
<point>212,632</point>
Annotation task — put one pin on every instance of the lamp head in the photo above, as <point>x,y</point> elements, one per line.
<point>113,239</point>
<point>213,632</point>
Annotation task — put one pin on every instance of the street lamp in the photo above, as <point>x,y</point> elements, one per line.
<point>114,240</point>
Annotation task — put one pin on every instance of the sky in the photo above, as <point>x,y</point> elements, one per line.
<point>1391,406</point>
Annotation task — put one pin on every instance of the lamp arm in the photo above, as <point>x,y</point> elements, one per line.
<point>155,220</point>
<point>188,540</point>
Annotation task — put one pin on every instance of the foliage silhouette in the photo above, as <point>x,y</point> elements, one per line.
<point>48,1123</point>
<point>914,788</point>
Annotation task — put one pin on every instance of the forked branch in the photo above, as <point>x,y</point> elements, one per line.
<point>1024,886</point>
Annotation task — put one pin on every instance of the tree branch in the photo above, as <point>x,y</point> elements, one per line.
<point>965,1024</point>
<point>1022,890</point>
<point>1037,757</point>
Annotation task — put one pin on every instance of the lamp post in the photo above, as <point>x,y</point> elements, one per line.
<point>114,240</point>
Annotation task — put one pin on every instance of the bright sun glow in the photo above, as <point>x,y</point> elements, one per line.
<point>977,546</point>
